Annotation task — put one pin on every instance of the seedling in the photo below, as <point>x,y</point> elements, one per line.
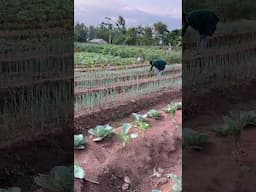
<point>11,189</point>
<point>60,179</point>
<point>79,172</point>
<point>173,107</point>
<point>124,136</point>
<point>235,123</point>
<point>138,117</point>
<point>79,141</point>
<point>154,114</point>
<point>177,187</point>
<point>140,122</point>
<point>143,126</point>
<point>194,139</point>
<point>101,132</point>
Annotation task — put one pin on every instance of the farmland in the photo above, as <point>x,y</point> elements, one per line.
<point>111,89</point>
<point>218,125</point>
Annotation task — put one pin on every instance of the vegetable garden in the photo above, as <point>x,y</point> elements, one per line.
<point>122,114</point>
<point>219,123</point>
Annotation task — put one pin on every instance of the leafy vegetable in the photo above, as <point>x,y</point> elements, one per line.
<point>139,117</point>
<point>173,107</point>
<point>11,189</point>
<point>124,136</point>
<point>79,141</point>
<point>193,138</point>
<point>60,179</point>
<point>177,187</point>
<point>79,172</point>
<point>154,114</point>
<point>101,132</point>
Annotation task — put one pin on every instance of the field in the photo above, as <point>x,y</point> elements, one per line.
<point>217,80</point>
<point>112,90</point>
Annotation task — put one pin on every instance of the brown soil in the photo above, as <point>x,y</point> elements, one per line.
<point>21,161</point>
<point>108,162</point>
<point>217,100</point>
<point>120,86</point>
<point>214,168</point>
<point>102,116</point>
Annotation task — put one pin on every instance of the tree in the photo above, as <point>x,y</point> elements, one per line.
<point>91,32</point>
<point>148,36</point>
<point>80,32</point>
<point>131,36</point>
<point>121,24</point>
<point>161,30</point>
<point>102,32</point>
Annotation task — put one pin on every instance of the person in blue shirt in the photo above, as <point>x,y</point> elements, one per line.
<point>159,64</point>
<point>203,21</point>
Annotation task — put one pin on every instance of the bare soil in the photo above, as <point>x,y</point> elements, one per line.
<point>108,162</point>
<point>214,168</point>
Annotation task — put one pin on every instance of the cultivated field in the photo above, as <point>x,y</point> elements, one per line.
<point>135,148</point>
<point>217,143</point>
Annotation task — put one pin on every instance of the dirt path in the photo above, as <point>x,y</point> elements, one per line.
<point>108,162</point>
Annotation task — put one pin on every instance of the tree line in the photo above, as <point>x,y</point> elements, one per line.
<point>116,32</point>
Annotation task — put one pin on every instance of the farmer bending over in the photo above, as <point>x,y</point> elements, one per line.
<point>203,21</point>
<point>159,64</point>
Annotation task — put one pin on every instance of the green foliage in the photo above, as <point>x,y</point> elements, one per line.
<point>125,136</point>
<point>143,125</point>
<point>118,54</point>
<point>79,141</point>
<point>173,107</point>
<point>11,189</point>
<point>193,138</point>
<point>154,114</point>
<point>235,123</point>
<point>80,32</point>
<point>101,132</point>
<point>79,172</point>
<point>139,117</point>
<point>60,179</point>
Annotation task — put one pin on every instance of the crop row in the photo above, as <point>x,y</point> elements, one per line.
<point>100,82</point>
<point>225,40</point>
<point>215,69</point>
<point>131,71</point>
<point>92,100</point>
<point>119,87</point>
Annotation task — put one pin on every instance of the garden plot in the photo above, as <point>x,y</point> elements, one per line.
<point>150,160</point>
<point>101,89</point>
<point>226,160</point>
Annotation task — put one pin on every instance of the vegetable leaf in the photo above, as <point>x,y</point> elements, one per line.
<point>59,179</point>
<point>79,141</point>
<point>101,132</point>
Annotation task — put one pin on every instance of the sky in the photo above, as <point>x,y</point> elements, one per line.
<point>135,12</point>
